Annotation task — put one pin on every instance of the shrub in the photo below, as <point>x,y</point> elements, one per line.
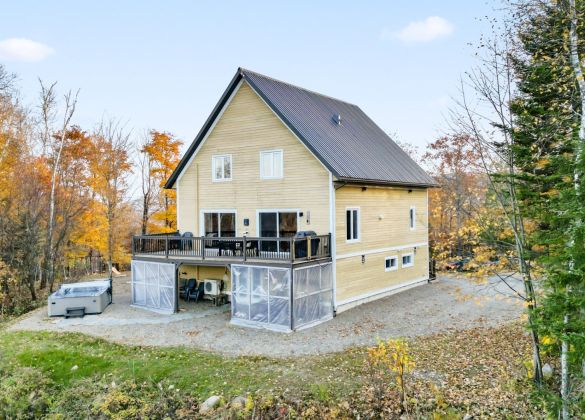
<point>146,400</point>
<point>392,358</point>
<point>24,393</point>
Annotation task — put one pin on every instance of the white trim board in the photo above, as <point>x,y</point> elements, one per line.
<point>378,294</point>
<point>380,250</point>
<point>333,244</point>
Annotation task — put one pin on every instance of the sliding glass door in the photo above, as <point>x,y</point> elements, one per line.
<point>219,225</point>
<point>277,224</point>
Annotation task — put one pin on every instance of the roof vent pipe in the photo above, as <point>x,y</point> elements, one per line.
<point>337,119</point>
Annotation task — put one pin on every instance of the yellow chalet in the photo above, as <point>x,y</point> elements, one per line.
<point>292,206</point>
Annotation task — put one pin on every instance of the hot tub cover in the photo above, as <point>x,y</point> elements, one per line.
<point>88,288</point>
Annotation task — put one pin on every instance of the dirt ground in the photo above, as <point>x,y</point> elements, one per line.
<point>448,303</point>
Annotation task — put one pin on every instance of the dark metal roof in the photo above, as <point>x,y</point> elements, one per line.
<point>355,149</point>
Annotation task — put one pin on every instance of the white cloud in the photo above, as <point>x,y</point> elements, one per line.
<point>22,49</point>
<point>426,30</point>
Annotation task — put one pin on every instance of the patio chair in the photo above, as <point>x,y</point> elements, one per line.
<point>186,289</point>
<point>196,293</point>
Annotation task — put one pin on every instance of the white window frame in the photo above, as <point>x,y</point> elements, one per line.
<point>258,211</point>
<point>272,153</point>
<point>391,257</point>
<point>411,254</point>
<point>412,221</point>
<point>359,225</point>
<point>213,167</point>
<point>202,213</point>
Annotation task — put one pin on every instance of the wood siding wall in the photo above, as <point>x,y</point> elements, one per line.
<point>246,128</point>
<point>384,223</point>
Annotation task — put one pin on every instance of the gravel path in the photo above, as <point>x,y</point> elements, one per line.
<point>449,303</point>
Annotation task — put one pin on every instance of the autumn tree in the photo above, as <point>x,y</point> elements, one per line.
<point>454,164</point>
<point>21,201</point>
<point>483,113</point>
<point>52,143</point>
<point>110,168</point>
<point>148,183</point>
<point>160,156</point>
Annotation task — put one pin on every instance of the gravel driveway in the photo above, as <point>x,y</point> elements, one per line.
<point>448,303</point>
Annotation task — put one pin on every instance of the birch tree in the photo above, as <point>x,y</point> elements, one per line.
<point>52,141</point>
<point>484,117</point>
<point>549,135</point>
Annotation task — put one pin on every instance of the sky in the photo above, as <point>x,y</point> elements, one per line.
<point>164,65</point>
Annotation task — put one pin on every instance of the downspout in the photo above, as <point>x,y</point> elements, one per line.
<point>333,239</point>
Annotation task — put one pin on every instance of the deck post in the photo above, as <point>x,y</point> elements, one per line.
<point>167,246</point>
<point>244,247</point>
<point>308,247</point>
<point>292,298</point>
<point>292,250</point>
<point>202,241</point>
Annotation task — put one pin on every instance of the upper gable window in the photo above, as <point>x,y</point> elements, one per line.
<point>271,165</point>
<point>412,218</point>
<point>221,167</point>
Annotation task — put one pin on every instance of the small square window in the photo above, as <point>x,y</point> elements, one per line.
<point>391,263</point>
<point>221,168</point>
<point>407,260</point>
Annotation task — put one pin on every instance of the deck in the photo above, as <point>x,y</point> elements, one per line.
<point>219,251</point>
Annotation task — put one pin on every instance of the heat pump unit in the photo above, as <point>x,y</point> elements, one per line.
<point>212,287</point>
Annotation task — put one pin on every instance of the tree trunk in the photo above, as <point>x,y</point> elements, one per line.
<point>145,210</point>
<point>110,240</point>
<point>31,286</point>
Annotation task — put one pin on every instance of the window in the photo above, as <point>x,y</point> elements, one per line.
<point>221,168</point>
<point>352,220</point>
<point>271,165</point>
<point>219,224</point>
<point>277,224</point>
<point>407,260</point>
<point>391,263</point>
<point>412,215</point>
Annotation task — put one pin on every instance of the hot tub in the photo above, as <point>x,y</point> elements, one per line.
<point>80,298</point>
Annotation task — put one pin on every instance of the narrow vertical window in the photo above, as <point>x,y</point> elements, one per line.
<point>221,168</point>
<point>352,224</point>
<point>412,217</point>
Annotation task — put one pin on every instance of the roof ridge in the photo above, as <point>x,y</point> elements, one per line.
<point>244,70</point>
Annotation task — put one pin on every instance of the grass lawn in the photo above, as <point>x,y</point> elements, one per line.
<point>480,371</point>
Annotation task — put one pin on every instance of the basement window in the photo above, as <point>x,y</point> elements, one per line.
<point>391,263</point>
<point>407,260</point>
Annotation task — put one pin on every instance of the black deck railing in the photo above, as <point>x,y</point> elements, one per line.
<point>244,248</point>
